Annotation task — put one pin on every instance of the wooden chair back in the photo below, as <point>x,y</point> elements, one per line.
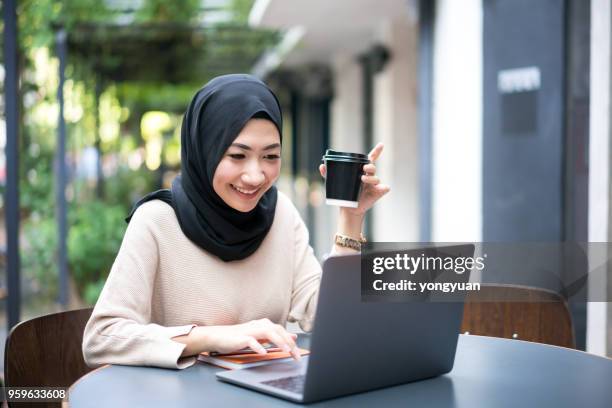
<point>517,312</point>
<point>46,351</point>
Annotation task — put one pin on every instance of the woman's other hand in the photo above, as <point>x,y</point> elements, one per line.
<point>372,190</point>
<point>227,339</point>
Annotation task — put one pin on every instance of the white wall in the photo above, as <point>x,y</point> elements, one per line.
<point>395,124</point>
<point>599,164</point>
<point>346,107</point>
<point>345,134</point>
<point>457,122</point>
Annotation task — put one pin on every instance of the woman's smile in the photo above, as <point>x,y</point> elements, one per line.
<point>246,193</point>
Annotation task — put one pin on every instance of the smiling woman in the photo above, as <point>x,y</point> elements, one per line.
<point>221,261</point>
<point>250,166</point>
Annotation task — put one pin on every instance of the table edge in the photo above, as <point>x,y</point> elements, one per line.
<point>539,344</point>
<point>85,375</point>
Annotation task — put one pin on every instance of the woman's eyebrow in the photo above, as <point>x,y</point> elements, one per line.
<point>245,147</point>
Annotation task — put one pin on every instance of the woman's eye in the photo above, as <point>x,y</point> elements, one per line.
<point>236,156</point>
<point>273,157</point>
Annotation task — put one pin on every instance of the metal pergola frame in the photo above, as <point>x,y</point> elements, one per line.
<point>9,15</point>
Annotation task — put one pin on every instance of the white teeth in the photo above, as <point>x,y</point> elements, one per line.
<point>244,191</point>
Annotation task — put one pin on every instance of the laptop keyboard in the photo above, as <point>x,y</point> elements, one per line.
<point>293,384</point>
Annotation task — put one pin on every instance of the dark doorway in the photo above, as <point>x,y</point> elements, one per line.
<point>535,126</point>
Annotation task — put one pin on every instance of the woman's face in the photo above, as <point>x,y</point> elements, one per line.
<point>250,165</point>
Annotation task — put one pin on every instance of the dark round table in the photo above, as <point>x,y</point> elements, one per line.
<point>488,372</point>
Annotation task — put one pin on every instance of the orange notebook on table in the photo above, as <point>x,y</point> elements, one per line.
<point>247,360</point>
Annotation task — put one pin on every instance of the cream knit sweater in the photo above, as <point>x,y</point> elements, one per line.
<point>162,284</point>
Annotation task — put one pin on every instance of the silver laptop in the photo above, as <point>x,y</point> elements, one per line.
<point>358,346</point>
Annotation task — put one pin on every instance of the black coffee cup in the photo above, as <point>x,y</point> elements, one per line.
<point>343,178</point>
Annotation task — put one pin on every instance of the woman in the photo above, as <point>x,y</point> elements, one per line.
<point>221,261</point>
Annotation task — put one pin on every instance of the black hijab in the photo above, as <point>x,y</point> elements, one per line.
<point>216,115</point>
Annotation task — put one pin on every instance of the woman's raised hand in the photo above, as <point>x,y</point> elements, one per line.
<point>372,189</point>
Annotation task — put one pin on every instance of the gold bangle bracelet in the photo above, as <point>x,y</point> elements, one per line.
<point>349,242</point>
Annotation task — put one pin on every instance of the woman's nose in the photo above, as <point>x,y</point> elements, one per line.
<point>253,176</point>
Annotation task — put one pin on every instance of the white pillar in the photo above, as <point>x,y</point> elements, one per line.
<point>346,107</point>
<point>346,133</point>
<point>457,122</point>
<point>395,124</point>
<point>599,164</point>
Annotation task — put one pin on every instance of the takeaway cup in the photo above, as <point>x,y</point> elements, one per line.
<point>343,178</point>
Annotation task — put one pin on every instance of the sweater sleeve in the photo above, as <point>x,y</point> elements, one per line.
<point>307,277</point>
<point>120,329</point>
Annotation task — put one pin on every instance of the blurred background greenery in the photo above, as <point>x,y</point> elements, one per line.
<point>132,68</point>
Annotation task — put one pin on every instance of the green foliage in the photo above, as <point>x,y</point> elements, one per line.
<point>97,228</point>
<point>181,11</point>
<point>165,97</point>
<point>37,17</point>
<point>241,9</point>
<point>126,186</point>
<point>95,235</point>
<point>36,196</point>
<point>39,260</point>
<point>96,231</point>
<point>92,291</point>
